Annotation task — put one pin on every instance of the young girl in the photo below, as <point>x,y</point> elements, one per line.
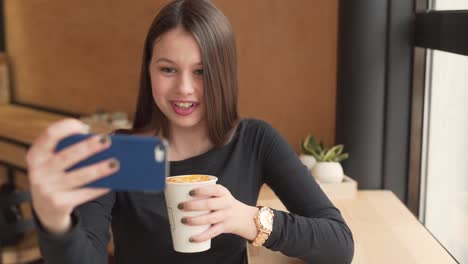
<point>188,94</point>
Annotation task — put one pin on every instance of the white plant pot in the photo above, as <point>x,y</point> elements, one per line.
<point>308,160</point>
<point>328,172</point>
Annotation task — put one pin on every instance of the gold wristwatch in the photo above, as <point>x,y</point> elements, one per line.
<point>264,222</point>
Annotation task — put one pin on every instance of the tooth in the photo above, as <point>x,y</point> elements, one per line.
<point>184,105</point>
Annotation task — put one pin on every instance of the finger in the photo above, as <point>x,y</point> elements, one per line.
<point>43,147</point>
<point>213,231</point>
<point>210,218</point>
<point>80,151</point>
<point>210,191</point>
<point>83,195</point>
<point>204,204</point>
<point>79,177</point>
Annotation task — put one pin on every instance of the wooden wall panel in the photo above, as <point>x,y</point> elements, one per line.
<point>4,80</point>
<point>287,61</point>
<point>80,56</point>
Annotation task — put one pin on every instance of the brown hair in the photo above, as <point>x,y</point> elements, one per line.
<point>214,35</point>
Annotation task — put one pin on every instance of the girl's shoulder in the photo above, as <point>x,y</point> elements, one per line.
<point>256,132</point>
<point>255,125</point>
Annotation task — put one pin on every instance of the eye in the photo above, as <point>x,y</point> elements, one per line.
<point>198,72</point>
<point>168,70</point>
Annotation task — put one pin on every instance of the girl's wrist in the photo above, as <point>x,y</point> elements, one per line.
<point>58,228</point>
<point>247,226</point>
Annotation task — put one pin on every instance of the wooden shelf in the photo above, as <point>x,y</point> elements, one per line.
<point>23,124</point>
<point>13,154</point>
<point>346,189</point>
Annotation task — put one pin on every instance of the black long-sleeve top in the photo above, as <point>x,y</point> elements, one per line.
<point>314,230</point>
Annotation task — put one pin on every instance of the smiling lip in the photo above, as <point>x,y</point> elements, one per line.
<point>183,111</point>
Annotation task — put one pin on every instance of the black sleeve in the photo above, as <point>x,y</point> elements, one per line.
<point>87,241</point>
<point>314,230</point>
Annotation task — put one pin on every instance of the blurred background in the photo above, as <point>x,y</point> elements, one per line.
<point>80,57</point>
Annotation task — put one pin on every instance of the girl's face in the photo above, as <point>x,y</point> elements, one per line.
<point>177,78</point>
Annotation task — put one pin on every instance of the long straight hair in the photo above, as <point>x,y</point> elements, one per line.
<point>214,35</point>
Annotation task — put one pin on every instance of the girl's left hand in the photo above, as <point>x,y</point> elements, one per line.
<point>227,215</point>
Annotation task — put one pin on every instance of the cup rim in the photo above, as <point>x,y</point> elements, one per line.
<point>212,179</point>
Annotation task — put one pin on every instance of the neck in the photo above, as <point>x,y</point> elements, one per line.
<point>188,142</point>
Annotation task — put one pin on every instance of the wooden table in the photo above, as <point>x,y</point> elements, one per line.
<point>384,231</point>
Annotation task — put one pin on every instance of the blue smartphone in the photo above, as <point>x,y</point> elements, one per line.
<point>143,162</point>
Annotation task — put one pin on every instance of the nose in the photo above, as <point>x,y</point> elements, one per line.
<point>186,85</point>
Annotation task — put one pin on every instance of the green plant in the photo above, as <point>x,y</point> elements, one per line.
<point>310,146</point>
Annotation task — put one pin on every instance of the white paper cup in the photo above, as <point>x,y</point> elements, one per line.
<point>176,193</point>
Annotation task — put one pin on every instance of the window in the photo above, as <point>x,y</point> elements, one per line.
<point>444,160</point>
<point>445,209</point>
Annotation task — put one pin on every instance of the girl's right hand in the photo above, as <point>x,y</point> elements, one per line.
<point>55,193</point>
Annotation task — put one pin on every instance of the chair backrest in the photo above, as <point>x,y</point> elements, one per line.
<point>18,241</point>
<point>14,222</point>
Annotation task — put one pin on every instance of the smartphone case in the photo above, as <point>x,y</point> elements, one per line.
<point>143,162</point>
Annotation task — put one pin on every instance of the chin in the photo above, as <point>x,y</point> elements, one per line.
<point>185,122</point>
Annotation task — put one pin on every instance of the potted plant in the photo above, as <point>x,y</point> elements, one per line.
<point>327,169</point>
<point>307,149</point>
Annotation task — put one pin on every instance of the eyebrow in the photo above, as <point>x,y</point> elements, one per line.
<point>172,62</point>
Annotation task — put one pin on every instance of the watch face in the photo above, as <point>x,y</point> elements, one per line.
<point>266,220</point>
